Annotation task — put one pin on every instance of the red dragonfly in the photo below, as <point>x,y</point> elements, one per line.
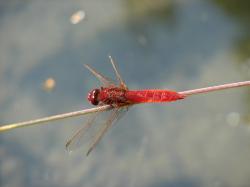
<point>120,98</point>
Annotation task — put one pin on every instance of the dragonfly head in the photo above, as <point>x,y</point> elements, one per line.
<point>93,96</point>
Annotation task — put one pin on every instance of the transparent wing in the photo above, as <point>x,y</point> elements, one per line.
<point>74,141</point>
<point>91,133</point>
<point>118,76</point>
<point>113,118</point>
<point>104,80</point>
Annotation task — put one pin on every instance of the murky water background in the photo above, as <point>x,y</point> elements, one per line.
<point>201,141</point>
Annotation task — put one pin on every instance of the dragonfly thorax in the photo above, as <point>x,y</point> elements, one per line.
<point>93,96</point>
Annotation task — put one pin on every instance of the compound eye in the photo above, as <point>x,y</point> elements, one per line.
<point>93,97</point>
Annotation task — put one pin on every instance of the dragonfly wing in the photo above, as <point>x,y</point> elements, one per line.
<point>112,119</point>
<point>118,76</point>
<point>87,136</point>
<point>74,142</point>
<point>104,80</point>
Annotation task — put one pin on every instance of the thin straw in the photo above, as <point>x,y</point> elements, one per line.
<point>108,107</point>
<point>215,88</point>
<point>53,118</point>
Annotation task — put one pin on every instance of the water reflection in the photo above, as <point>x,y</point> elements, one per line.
<point>201,141</point>
<point>240,13</point>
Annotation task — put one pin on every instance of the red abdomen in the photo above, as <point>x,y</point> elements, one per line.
<point>152,96</point>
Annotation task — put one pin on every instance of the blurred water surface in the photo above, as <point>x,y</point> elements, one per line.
<point>201,141</point>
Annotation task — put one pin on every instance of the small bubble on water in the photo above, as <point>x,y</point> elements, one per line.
<point>233,119</point>
<point>142,40</point>
<point>77,17</point>
<point>49,84</point>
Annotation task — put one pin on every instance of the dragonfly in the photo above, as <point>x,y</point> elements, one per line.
<point>120,98</point>
<point>114,99</point>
